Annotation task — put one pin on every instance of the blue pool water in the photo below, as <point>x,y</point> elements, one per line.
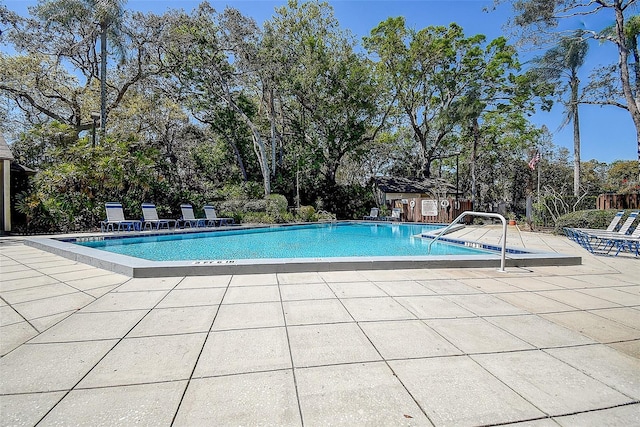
<point>304,241</point>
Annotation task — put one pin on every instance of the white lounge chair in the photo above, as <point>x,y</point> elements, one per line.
<point>115,217</point>
<point>213,219</point>
<point>373,215</point>
<point>189,218</point>
<point>151,220</point>
<point>612,225</point>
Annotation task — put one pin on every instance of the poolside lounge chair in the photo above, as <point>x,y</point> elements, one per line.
<point>603,242</point>
<point>395,215</point>
<point>115,217</point>
<point>213,219</point>
<point>150,218</point>
<point>189,218</point>
<point>373,215</point>
<point>612,225</point>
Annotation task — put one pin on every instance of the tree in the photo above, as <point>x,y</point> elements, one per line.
<point>203,62</point>
<point>561,64</point>
<point>441,80</point>
<point>56,73</point>
<point>537,17</point>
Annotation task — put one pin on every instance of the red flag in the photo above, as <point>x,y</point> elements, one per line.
<point>534,161</point>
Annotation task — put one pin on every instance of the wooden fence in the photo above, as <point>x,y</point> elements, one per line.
<point>618,201</point>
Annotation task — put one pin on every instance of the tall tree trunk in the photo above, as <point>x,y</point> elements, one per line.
<point>475,131</point>
<point>574,83</point>
<point>103,77</point>
<point>623,56</point>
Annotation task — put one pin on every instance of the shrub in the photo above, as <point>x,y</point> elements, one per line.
<point>307,214</point>
<point>277,207</point>
<point>592,218</point>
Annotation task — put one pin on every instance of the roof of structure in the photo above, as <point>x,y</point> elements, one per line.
<point>5,152</point>
<point>390,184</point>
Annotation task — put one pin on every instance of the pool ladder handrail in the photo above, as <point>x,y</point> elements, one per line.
<point>503,251</point>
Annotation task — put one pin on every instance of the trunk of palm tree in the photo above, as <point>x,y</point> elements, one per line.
<point>575,83</point>
<point>103,78</point>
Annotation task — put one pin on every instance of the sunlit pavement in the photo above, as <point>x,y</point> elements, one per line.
<point>549,345</point>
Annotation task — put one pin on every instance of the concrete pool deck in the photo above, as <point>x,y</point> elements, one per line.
<point>540,346</point>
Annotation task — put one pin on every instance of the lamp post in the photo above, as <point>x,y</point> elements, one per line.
<point>95,117</point>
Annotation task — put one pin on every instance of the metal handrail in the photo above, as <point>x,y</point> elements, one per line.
<point>485,214</point>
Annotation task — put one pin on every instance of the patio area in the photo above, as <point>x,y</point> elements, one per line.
<point>541,346</point>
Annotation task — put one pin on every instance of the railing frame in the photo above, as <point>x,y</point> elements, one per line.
<point>503,252</point>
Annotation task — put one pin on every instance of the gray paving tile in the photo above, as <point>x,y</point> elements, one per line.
<point>8,316</point>
<point>112,279</point>
<point>627,316</point>
<point>22,275</point>
<point>628,415</point>
<point>120,301</point>
<point>489,286</point>
<point>242,351</point>
<point>192,298</point>
<point>539,332</point>
<point>432,307</point>
<point>342,276</point>
<point>358,394</point>
<point>193,282</point>
<point>449,287</point>
<point>25,282</point>
<point>177,320</point>
<point>629,289</point>
<point>456,391</point>
<point>535,303</point>
<point>34,368</point>
<point>45,322</point>
<point>150,284</point>
<point>91,326</point>
<point>617,370</point>
<point>549,384</point>
<point>15,335</point>
<point>315,311</point>
<point>578,299</point>
<point>145,360</point>
<point>53,305</point>
<point>403,288</point>
<point>630,348</point>
<point>255,315</point>
<point>26,409</point>
<point>312,291</point>
<point>407,339</point>
<point>596,327</point>
<point>529,283</point>
<point>613,295</point>
<point>37,292</point>
<point>245,294</point>
<point>263,398</point>
<point>299,278</point>
<point>356,289</point>
<point>254,280</point>
<point>564,281</point>
<point>141,405</point>
<point>374,309</point>
<point>329,344</point>
<point>385,275</point>
<point>475,335</point>
<point>485,305</point>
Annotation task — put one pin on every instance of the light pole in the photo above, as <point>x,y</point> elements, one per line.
<point>95,117</point>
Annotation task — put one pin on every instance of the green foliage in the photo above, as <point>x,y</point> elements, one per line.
<point>277,207</point>
<point>307,214</point>
<point>592,218</point>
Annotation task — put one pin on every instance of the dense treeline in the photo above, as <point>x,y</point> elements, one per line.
<point>207,107</point>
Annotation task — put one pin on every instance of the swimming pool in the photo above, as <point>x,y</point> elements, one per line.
<point>302,241</point>
<point>286,249</point>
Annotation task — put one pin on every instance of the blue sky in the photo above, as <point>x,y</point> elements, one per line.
<point>607,133</point>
